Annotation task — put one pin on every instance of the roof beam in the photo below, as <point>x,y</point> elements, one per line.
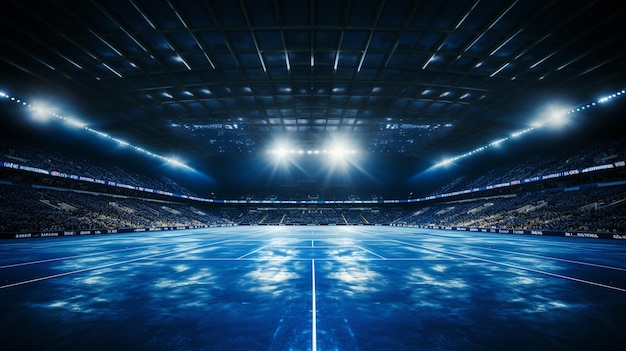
<point>254,40</point>
<point>180,17</point>
<point>381,6</point>
<point>221,31</point>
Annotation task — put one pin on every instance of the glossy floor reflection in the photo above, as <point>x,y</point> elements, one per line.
<point>312,288</point>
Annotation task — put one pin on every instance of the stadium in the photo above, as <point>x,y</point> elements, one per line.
<point>312,175</point>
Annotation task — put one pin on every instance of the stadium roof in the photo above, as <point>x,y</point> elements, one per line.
<point>413,78</point>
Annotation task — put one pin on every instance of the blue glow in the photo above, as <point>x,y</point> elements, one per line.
<point>556,118</point>
<point>43,112</point>
<point>75,123</point>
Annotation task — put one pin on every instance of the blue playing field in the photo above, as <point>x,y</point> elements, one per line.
<point>312,288</point>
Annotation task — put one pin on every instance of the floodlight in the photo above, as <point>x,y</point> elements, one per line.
<point>121,142</point>
<point>281,151</point>
<point>41,112</point>
<point>340,157</point>
<point>438,165</point>
<point>537,124</point>
<point>75,123</point>
<point>557,118</point>
<point>497,142</point>
<point>175,162</point>
<point>340,145</point>
<point>521,132</point>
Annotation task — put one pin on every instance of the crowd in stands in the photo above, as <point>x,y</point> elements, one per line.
<point>584,208</point>
<point>600,209</point>
<point>540,165</point>
<point>24,208</point>
<point>53,160</point>
<point>312,215</point>
<point>305,192</point>
<point>596,154</point>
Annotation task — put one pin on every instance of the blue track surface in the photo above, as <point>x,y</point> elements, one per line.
<point>312,288</point>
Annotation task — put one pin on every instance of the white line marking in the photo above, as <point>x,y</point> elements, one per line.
<point>314,309</point>
<point>286,259</point>
<point>556,259</point>
<point>251,252</point>
<point>522,268</point>
<point>373,253</point>
<point>104,266</point>
<point>75,256</point>
<point>316,247</point>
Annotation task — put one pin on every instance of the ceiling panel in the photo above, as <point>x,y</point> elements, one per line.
<point>303,66</point>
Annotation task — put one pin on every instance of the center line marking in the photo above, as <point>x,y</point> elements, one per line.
<point>313,307</point>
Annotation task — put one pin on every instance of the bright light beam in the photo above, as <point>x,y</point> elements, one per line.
<point>75,123</point>
<point>43,112</point>
<point>556,118</point>
<point>40,112</point>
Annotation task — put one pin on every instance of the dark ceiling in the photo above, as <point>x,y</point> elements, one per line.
<point>207,78</point>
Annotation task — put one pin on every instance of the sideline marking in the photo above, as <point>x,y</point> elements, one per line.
<point>314,307</point>
<point>302,259</point>
<point>104,266</point>
<point>520,267</point>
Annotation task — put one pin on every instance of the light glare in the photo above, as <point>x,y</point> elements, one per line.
<point>556,118</point>
<point>41,111</point>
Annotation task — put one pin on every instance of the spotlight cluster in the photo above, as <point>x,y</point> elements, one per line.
<point>554,118</point>
<point>44,112</point>
<point>337,152</point>
<point>338,156</point>
<point>337,148</point>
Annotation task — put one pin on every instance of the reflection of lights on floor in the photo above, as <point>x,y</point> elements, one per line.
<point>382,278</point>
